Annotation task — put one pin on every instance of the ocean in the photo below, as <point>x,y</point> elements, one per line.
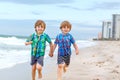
<point>13,50</point>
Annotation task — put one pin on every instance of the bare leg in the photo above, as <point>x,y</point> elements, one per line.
<point>60,68</point>
<point>33,71</point>
<point>39,68</point>
<point>65,67</point>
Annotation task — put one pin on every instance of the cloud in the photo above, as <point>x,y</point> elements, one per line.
<point>69,7</point>
<point>105,6</point>
<point>32,2</point>
<point>36,13</point>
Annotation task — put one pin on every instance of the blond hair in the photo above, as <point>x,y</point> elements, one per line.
<point>66,23</point>
<point>40,23</point>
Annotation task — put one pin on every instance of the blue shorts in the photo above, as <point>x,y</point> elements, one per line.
<point>35,60</point>
<point>64,59</point>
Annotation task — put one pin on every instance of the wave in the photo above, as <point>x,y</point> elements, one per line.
<point>13,51</point>
<point>11,41</point>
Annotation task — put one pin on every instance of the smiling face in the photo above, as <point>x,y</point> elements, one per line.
<point>65,27</point>
<point>65,30</point>
<point>40,27</point>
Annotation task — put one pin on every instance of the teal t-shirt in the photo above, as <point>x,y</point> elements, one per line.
<point>38,44</point>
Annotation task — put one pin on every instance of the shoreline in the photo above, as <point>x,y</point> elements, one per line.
<point>98,62</point>
<point>18,72</point>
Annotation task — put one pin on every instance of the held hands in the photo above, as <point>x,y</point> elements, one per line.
<point>51,54</point>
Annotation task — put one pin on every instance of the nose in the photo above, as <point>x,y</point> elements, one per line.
<point>40,27</point>
<point>66,27</point>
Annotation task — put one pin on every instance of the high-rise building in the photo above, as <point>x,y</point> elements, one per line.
<point>107,30</point>
<point>116,26</point>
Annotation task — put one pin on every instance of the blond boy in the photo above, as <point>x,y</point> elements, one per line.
<point>38,45</point>
<point>64,41</point>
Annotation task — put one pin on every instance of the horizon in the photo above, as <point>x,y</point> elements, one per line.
<point>26,28</point>
<point>85,16</point>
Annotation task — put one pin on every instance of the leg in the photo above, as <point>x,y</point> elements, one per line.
<point>33,71</point>
<point>65,67</point>
<point>67,62</point>
<point>59,72</point>
<point>39,68</point>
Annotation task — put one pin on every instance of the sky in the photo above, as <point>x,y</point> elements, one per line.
<point>17,17</point>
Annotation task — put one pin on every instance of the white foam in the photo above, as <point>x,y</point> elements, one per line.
<point>13,51</point>
<point>85,43</point>
<point>11,41</point>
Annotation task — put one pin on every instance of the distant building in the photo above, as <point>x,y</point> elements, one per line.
<point>116,26</point>
<point>107,30</point>
<point>99,35</point>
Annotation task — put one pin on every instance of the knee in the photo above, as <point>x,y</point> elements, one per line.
<point>60,66</point>
<point>39,67</point>
<point>34,67</point>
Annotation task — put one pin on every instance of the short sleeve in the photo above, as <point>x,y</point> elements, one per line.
<point>30,38</point>
<point>56,39</point>
<point>72,39</point>
<point>48,39</point>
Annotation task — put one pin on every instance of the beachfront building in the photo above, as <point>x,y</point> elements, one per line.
<point>106,30</point>
<point>116,27</point>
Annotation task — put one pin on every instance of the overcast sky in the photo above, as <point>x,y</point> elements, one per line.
<point>85,12</point>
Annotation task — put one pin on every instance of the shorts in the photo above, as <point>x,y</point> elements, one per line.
<point>64,59</point>
<point>35,60</point>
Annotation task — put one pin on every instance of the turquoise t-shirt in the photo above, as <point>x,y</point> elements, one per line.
<point>38,44</point>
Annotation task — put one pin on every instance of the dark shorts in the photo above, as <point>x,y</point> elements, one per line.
<point>64,59</point>
<point>35,60</point>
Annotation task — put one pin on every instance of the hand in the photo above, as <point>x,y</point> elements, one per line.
<point>28,43</point>
<point>51,54</point>
<point>77,52</point>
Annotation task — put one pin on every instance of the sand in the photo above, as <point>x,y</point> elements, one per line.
<point>99,62</point>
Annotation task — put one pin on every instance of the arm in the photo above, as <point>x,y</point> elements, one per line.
<point>51,50</point>
<point>54,46</point>
<point>76,48</point>
<point>29,40</point>
<point>28,43</point>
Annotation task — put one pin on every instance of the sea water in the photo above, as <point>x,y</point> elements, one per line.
<point>13,50</point>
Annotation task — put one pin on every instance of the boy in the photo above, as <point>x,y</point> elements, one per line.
<point>38,44</point>
<point>64,40</point>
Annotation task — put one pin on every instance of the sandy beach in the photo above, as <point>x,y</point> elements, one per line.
<point>99,62</point>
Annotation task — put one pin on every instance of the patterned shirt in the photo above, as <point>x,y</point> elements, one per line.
<point>64,44</point>
<point>38,44</point>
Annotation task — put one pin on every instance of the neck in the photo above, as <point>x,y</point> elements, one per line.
<point>39,34</point>
<point>64,33</point>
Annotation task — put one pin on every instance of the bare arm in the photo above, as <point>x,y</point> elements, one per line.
<point>76,48</point>
<point>28,43</point>
<point>54,46</point>
<point>51,50</point>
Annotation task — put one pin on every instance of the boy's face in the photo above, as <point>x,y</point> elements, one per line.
<point>65,29</point>
<point>39,29</point>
